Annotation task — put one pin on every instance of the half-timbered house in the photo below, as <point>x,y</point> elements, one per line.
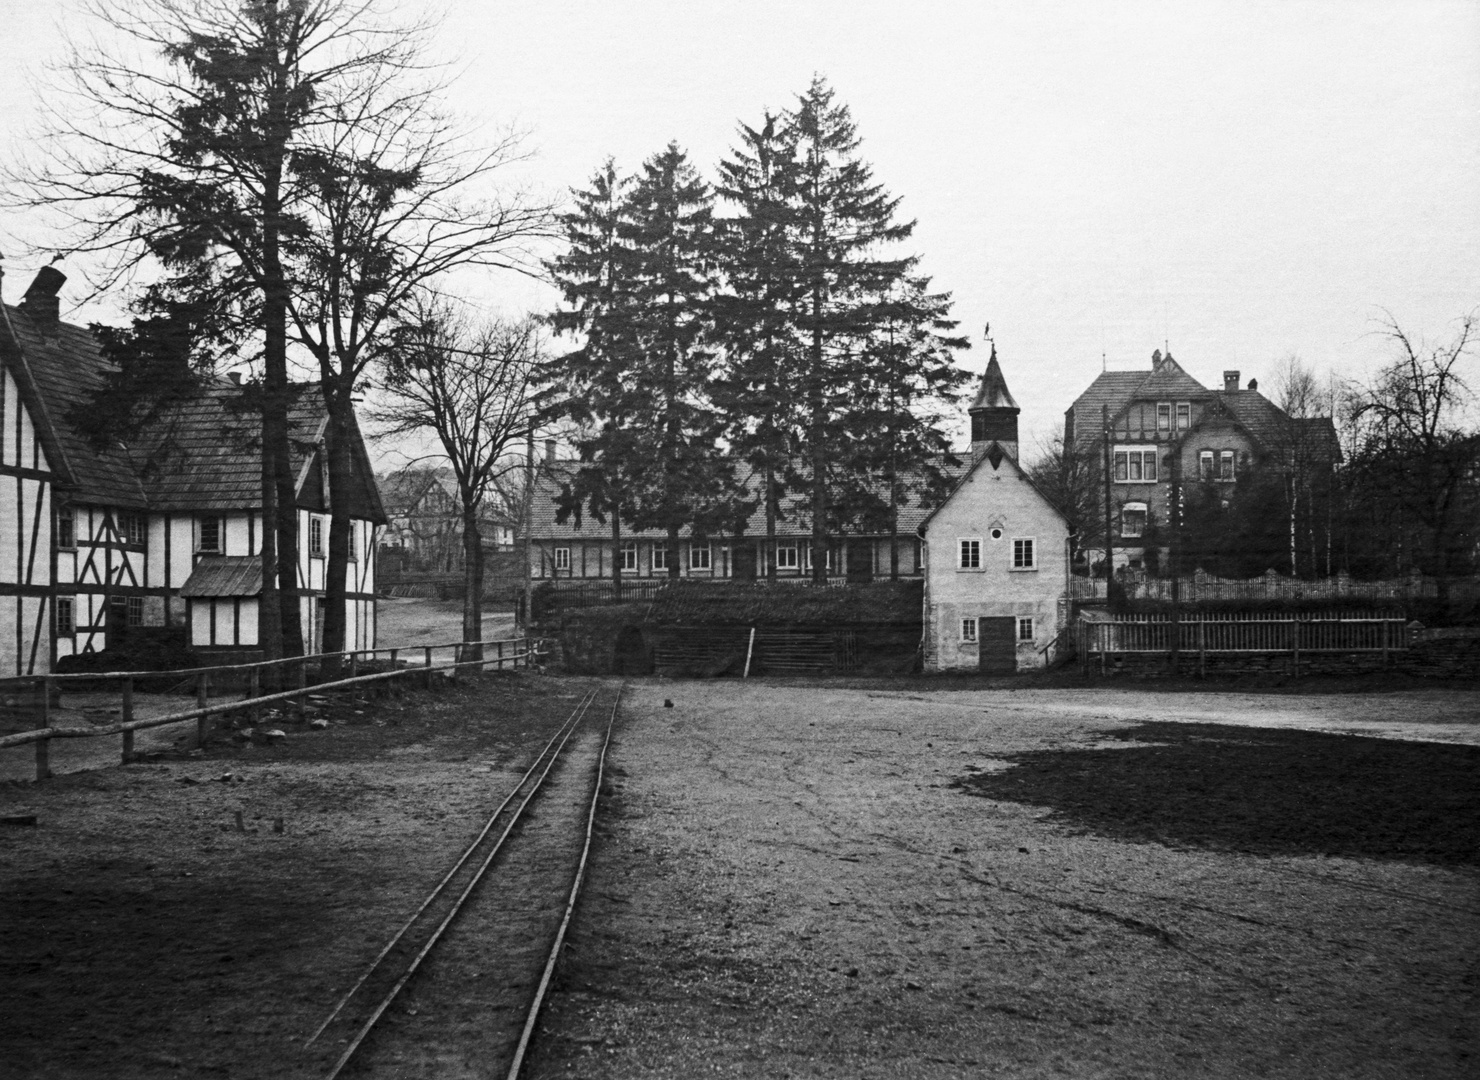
<point>165,531</point>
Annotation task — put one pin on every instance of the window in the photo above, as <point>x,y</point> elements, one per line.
<point>562,558</point>
<point>66,528</point>
<point>1184,415</point>
<point>968,629</point>
<point>1135,466</point>
<point>1205,465</point>
<point>208,535</point>
<point>971,554</point>
<point>1022,554</point>
<point>700,557</point>
<point>1025,628</point>
<point>786,557</point>
<point>66,616</point>
<point>131,528</point>
<point>1225,465</point>
<point>1133,520</point>
<point>660,556</point>
<point>629,555</point>
<point>1164,415</point>
<point>315,535</point>
<point>134,606</point>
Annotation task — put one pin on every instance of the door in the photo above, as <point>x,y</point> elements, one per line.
<point>743,564</point>
<point>860,560</point>
<point>997,643</point>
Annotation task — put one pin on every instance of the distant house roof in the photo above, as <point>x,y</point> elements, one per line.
<point>1111,389</point>
<point>200,454</point>
<point>224,575</point>
<point>708,603</point>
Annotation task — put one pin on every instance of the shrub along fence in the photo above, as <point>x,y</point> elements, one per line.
<point>1197,643</point>
<point>40,692</point>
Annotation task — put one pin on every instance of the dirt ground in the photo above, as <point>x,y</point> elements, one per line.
<point>825,882</point>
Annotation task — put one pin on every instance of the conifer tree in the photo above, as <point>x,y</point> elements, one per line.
<point>755,316</point>
<point>842,220</point>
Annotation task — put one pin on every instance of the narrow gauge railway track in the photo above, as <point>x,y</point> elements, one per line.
<point>457,989</point>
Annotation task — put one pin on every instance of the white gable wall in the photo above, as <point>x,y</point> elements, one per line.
<point>992,498</point>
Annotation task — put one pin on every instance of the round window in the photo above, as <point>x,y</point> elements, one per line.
<point>996,534</point>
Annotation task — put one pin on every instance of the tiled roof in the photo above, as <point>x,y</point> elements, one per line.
<point>993,393</point>
<point>1110,388</point>
<point>66,370</point>
<point>206,453</point>
<point>1167,380</point>
<point>225,575</point>
<point>793,521</point>
<point>201,454</point>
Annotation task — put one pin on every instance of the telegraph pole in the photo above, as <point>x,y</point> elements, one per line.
<point>1109,556</point>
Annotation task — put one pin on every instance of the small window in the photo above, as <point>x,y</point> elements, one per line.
<point>971,554</point>
<point>208,535</point>
<point>134,606</point>
<point>1122,473</point>
<point>1150,459</point>
<point>1023,556</point>
<point>562,558</point>
<point>66,528</point>
<point>131,529</point>
<point>66,616</point>
<point>1225,465</point>
<point>660,556</point>
<point>995,534</point>
<point>1133,520</point>
<point>316,536</point>
<point>701,557</point>
<point>968,629</point>
<point>786,557</point>
<point>1184,415</point>
<point>1135,467</point>
<point>1205,465</point>
<point>1164,415</point>
<point>629,555</point>
<point>1025,628</point>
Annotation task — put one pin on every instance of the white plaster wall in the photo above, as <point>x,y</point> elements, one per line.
<point>989,497</point>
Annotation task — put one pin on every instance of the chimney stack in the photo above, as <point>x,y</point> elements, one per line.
<point>41,302</point>
<point>549,451</point>
<point>1230,381</point>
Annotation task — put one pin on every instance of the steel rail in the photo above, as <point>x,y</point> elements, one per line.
<point>457,906</point>
<point>570,904</point>
<point>575,717</point>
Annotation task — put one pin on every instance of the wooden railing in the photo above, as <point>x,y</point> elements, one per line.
<point>1202,635</point>
<point>515,652</point>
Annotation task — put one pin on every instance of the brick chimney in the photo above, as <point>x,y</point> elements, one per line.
<point>1230,381</point>
<point>41,302</point>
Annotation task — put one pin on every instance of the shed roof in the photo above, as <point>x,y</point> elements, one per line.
<point>225,575</point>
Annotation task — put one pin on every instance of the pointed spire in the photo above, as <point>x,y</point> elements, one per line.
<point>993,393</point>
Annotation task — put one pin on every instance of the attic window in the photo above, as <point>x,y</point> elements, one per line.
<point>208,535</point>
<point>1184,415</point>
<point>1164,415</point>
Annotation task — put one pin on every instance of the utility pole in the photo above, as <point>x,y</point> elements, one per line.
<point>528,526</point>
<point>1109,550</point>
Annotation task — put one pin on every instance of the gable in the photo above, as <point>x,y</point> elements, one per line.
<point>1005,493</point>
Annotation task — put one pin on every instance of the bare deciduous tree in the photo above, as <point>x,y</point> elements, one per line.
<point>476,388</point>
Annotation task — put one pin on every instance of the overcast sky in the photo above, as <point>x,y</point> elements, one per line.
<point>1240,180</point>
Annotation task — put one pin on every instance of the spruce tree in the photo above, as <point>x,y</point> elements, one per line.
<point>842,220</point>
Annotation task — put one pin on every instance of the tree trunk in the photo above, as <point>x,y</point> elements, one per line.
<point>472,620</point>
<point>616,555</point>
<point>770,552</point>
<point>340,454</point>
<point>673,556</point>
<point>269,626</point>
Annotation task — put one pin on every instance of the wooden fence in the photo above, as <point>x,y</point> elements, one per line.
<point>1233,634</point>
<point>515,652</point>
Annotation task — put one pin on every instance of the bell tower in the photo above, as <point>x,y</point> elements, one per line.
<point>994,414</point>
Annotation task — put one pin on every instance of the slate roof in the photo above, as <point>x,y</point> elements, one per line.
<point>993,393</point>
<point>1110,388</point>
<point>712,603</point>
<point>202,454</point>
<point>225,575</point>
<point>791,523</point>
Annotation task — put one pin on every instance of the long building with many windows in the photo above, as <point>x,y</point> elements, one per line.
<point>164,532</point>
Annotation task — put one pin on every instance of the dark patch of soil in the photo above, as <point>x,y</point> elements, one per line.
<point>1259,790</point>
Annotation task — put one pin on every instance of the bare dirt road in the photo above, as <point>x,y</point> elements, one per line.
<point>818,882</point>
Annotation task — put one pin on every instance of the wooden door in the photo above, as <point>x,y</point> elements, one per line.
<point>997,644</point>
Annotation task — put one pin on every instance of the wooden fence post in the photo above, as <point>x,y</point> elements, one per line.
<point>1202,645</point>
<point>427,678</point>
<point>500,647</point>
<point>43,746</point>
<point>395,666</point>
<point>1295,643</point>
<point>254,691</point>
<point>302,689</point>
<point>128,716</point>
<point>202,700</point>
<point>354,671</point>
